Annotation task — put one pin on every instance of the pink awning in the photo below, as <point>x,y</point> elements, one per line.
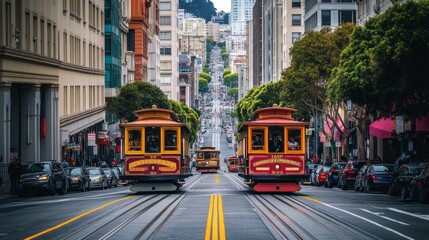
<point>327,128</point>
<point>422,125</point>
<point>382,128</point>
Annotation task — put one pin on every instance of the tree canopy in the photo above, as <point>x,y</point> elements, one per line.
<point>203,85</point>
<point>231,80</point>
<point>136,96</point>
<point>206,76</point>
<point>186,115</point>
<point>385,65</point>
<point>233,92</point>
<point>226,71</point>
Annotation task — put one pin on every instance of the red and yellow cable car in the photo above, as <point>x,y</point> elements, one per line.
<point>232,164</point>
<point>156,148</point>
<point>207,159</point>
<point>271,150</point>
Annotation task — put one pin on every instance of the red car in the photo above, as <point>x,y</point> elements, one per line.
<point>322,175</point>
<point>348,175</point>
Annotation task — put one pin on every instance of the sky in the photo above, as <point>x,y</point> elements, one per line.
<point>224,5</point>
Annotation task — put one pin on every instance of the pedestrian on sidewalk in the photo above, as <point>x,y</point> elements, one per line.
<point>14,175</point>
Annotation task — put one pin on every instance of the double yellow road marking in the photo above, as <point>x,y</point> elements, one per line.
<point>215,228</point>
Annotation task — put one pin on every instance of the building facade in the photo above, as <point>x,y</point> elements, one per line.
<point>241,12</point>
<point>213,31</point>
<point>169,49</point>
<point>293,28</point>
<point>328,13</point>
<point>51,79</point>
<point>154,69</point>
<point>257,43</point>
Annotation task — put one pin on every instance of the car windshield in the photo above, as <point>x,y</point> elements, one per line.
<point>415,170</point>
<point>107,171</point>
<point>38,167</point>
<point>385,168</point>
<point>73,171</point>
<point>358,165</point>
<point>114,170</point>
<point>340,166</point>
<point>94,172</point>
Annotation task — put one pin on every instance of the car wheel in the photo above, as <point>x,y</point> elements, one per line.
<point>116,183</point>
<point>423,197</point>
<point>63,188</point>
<point>404,194</point>
<point>367,189</point>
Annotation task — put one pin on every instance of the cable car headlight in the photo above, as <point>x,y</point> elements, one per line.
<point>207,162</point>
<point>152,167</point>
<point>277,167</point>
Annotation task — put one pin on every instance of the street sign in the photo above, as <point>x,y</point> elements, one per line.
<point>91,139</point>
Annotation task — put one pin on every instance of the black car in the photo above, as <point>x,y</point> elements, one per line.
<point>378,177</point>
<point>112,179</point>
<point>332,179</point>
<point>78,178</point>
<point>420,186</point>
<point>401,184</point>
<point>43,176</point>
<point>359,178</point>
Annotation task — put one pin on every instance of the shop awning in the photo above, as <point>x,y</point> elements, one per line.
<point>327,128</point>
<point>422,125</point>
<point>382,128</point>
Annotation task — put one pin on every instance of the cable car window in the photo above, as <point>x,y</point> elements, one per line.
<point>276,143</point>
<point>152,139</point>
<point>134,140</point>
<point>257,139</point>
<point>200,155</point>
<point>294,142</point>
<point>214,155</point>
<point>170,137</point>
<point>207,155</point>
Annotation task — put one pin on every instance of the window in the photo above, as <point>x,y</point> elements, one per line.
<point>152,139</point>
<point>134,140</point>
<point>42,35</point>
<point>296,3</point>
<point>165,20</point>
<point>258,139</point>
<point>347,16</point>
<point>326,17</point>
<point>65,100</point>
<point>294,139</point>
<point>65,47</point>
<point>27,31</point>
<point>165,50</point>
<point>35,21</point>
<point>165,80</point>
<point>326,1</point>
<point>296,19</point>
<point>170,140</point>
<point>164,6</point>
<point>130,40</point>
<point>49,38</point>
<point>165,66</point>
<point>276,143</point>
<point>295,36</point>
<point>165,35</point>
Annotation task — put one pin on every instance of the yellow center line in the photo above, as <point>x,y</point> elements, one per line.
<point>76,218</point>
<point>311,199</point>
<point>217,178</point>
<point>215,227</point>
<point>209,219</point>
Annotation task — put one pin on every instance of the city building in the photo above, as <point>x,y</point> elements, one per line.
<point>154,48</point>
<point>241,12</point>
<point>213,31</point>
<point>169,49</point>
<point>328,13</point>
<point>249,60</point>
<point>257,43</point>
<point>138,38</point>
<point>293,28</point>
<point>51,79</point>
<point>272,40</point>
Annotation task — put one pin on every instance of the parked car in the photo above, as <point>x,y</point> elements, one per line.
<point>98,178</point>
<point>122,181</point>
<point>46,176</point>
<point>314,174</point>
<point>334,170</point>
<point>378,176</point>
<point>112,180</point>
<point>401,184</point>
<point>359,177</point>
<point>420,186</point>
<point>349,173</point>
<point>78,178</point>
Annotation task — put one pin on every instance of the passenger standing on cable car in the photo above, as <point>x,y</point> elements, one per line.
<point>276,145</point>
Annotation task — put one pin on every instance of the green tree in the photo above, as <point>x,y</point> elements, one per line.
<point>199,8</point>
<point>136,96</point>
<point>186,115</point>
<point>231,80</point>
<point>226,71</point>
<point>233,92</point>
<point>306,81</point>
<point>385,66</point>
<point>206,76</point>
<point>203,85</point>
